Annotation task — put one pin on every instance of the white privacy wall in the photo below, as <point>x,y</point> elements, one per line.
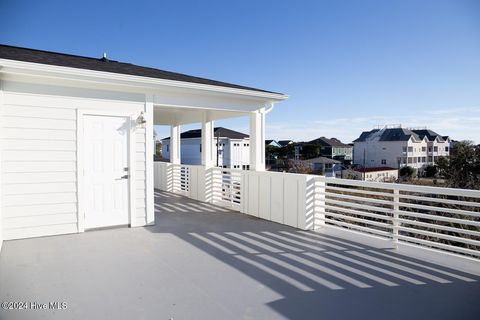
<point>279,197</point>
<point>38,126</point>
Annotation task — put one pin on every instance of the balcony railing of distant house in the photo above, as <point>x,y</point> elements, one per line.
<point>439,218</point>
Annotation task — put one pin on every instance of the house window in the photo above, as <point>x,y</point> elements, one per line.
<point>435,149</point>
<point>410,160</point>
<point>410,149</point>
<point>168,148</point>
<point>384,161</point>
<point>424,159</point>
<point>446,149</point>
<point>429,149</point>
<point>404,149</point>
<point>424,149</point>
<point>419,159</point>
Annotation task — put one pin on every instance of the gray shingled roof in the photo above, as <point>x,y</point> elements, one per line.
<point>333,142</point>
<point>364,135</point>
<point>106,65</point>
<point>390,134</point>
<point>284,143</point>
<point>219,131</point>
<point>431,135</point>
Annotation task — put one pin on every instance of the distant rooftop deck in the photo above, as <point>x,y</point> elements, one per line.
<point>201,261</point>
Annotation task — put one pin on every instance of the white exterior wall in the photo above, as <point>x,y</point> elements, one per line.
<point>229,156</point>
<point>39,182</point>
<point>417,158</point>
<point>376,151</point>
<point>238,153</point>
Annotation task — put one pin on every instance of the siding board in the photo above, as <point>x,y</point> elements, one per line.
<point>43,209</point>
<point>39,112</point>
<point>32,166</point>
<point>39,177</point>
<point>34,188</point>
<point>39,198</point>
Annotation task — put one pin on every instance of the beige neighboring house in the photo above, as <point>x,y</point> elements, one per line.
<point>379,174</point>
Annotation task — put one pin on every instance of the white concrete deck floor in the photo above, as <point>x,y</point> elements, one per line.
<point>206,262</point>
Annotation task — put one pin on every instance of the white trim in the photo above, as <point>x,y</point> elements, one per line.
<point>30,68</point>
<point>80,165</point>
<point>149,144</point>
<point>80,173</point>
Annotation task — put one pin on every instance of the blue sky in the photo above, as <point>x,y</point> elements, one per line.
<point>346,65</point>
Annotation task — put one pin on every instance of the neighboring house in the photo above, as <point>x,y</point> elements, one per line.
<point>379,174</point>
<point>76,137</point>
<point>233,148</point>
<point>437,145</point>
<point>273,143</point>
<point>396,147</point>
<point>328,167</point>
<point>334,149</point>
<point>298,150</point>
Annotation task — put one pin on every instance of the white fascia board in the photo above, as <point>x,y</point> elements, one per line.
<point>109,78</point>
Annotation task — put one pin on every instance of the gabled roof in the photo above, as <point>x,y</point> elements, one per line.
<point>431,135</point>
<point>332,142</point>
<point>106,65</point>
<point>284,143</point>
<point>219,131</point>
<point>273,143</point>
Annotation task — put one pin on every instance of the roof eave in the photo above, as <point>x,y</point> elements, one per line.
<point>37,69</point>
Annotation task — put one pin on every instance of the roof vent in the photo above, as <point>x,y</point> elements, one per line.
<point>104,58</point>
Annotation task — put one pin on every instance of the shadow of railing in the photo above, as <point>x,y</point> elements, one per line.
<point>320,275</point>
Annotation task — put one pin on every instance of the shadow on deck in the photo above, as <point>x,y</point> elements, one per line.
<point>321,275</point>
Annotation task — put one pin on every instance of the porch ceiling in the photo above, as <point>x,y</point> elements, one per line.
<point>163,115</point>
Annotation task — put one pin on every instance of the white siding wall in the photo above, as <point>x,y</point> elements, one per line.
<point>39,163</point>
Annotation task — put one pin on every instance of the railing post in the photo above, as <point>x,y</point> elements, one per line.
<point>320,188</point>
<point>395,221</point>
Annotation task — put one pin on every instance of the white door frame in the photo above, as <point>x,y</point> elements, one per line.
<point>80,166</point>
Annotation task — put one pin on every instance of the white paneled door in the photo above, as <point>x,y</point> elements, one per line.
<point>105,170</point>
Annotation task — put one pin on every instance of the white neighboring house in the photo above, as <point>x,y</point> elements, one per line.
<point>76,142</point>
<point>380,174</point>
<point>397,147</point>
<point>233,148</point>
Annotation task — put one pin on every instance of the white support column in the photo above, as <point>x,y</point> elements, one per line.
<point>207,143</point>
<point>149,174</point>
<point>175,156</point>
<point>257,140</point>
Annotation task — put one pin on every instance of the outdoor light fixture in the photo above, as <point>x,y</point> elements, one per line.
<point>140,122</point>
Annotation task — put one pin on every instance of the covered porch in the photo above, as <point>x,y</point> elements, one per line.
<point>208,262</point>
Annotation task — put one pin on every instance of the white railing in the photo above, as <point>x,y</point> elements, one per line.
<point>440,218</point>
<point>229,192</point>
